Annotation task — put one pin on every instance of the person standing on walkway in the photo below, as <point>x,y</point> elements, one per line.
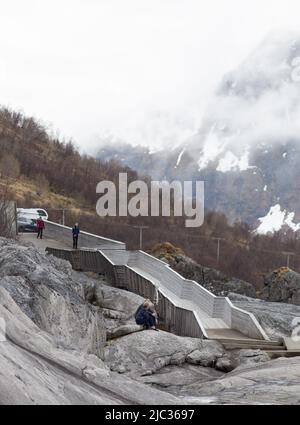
<point>40,224</point>
<point>75,232</point>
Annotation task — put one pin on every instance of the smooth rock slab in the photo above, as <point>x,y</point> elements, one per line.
<point>148,351</point>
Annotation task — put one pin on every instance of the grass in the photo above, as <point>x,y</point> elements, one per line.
<point>27,195</point>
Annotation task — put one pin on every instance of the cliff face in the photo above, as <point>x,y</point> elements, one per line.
<point>53,340</point>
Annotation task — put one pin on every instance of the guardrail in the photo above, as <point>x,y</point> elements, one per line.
<point>141,273</point>
<point>88,240</point>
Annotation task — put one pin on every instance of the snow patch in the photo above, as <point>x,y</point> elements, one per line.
<point>231,162</point>
<point>213,147</point>
<point>179,158</point>
<point>290,222</point>
<point>275,220</point>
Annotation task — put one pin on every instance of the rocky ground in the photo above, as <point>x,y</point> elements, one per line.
<point>276,318</point>
<point>282,285</point>
<point>71,339</point>
<point>213,280</point>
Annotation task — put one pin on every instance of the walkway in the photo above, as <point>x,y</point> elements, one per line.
<point>42,244</point>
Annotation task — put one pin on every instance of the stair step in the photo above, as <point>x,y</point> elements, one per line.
<point>253,342</point>
<point>236,346</point>
<point>249,341</point>
<point>283,353</point>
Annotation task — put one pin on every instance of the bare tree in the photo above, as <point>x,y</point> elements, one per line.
<point>7,215</point>
<point>9,167</point>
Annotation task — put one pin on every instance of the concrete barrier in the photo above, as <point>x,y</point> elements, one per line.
<point>86,240</point>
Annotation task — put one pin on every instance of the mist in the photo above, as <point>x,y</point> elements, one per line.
<point>258,103</point>
<point>139,71</point>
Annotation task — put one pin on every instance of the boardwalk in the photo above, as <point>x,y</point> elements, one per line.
<point>186,307</point>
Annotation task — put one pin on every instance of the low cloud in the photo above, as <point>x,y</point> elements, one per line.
<point>259,102</point>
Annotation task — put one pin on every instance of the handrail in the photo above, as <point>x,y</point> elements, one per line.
<point>120,245</point>
<point>165,282</point>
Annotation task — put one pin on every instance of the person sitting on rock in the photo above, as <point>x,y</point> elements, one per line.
<point>145,317</point>
<point>151,307</point>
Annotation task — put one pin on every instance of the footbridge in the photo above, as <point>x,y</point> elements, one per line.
<point>184,306</point>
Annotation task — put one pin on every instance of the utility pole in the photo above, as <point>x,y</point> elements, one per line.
<point>63,210</point>
<point>288,255</point>
<point>63,217</point>
<point>141,228</point>
<point>218,248</point>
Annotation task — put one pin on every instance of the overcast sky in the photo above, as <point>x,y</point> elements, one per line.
<point>142,70</point>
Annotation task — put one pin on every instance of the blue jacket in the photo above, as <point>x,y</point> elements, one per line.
<point>75,231</point>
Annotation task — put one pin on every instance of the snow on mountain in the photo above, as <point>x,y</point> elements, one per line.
<point>231,162</point>
<point>179,158</point>
<point>275,220</point>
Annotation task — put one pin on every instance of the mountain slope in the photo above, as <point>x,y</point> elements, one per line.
<point>248,146</point>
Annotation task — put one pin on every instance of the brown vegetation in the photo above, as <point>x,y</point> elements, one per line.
<point>45,172</point>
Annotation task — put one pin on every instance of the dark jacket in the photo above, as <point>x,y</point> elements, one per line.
<point>141,316</point>
<point>138,311</point>
<point>144,317</point>
<point>75,231</point>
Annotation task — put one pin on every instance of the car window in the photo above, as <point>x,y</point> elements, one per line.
<point>24,219</point>
<point>41,212</point>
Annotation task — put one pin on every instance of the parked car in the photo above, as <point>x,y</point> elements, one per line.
<point>26,224</point>
<point>33,213</point>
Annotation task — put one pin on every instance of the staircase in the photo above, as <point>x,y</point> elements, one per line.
<point>185,307</point>
<point>274,348</point>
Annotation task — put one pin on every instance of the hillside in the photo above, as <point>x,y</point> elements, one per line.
<point>27,149</point>
<point>41,171</point>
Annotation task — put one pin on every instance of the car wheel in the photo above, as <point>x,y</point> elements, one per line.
<point>21,229</point>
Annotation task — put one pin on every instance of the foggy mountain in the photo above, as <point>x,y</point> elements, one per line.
<point>247,149</point>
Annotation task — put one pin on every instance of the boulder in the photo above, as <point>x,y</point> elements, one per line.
<point>43,287</point>
<point>147,352</point>
<point>207,354</point>
<point>124,330</point>
<point>177,379</point>
<point>276,318</point>
<point>282,285</point>
<point>213,280</point>
<point>273,382</point>
<point>110,298</point>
